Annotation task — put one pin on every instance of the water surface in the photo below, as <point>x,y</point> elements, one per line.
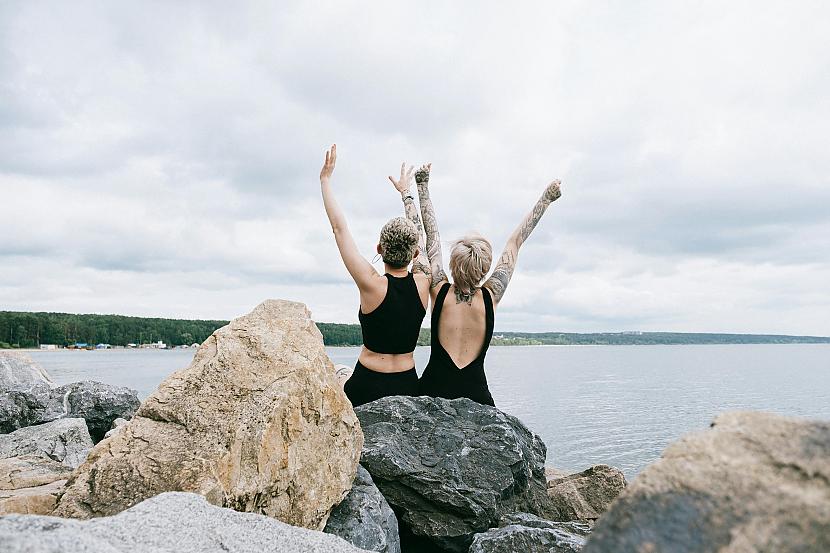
<point>619,405</point>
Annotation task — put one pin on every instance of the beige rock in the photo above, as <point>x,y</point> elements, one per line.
<point>258,423</point>
<point>30,484</point>
<point>753,482</point>
<point>584,495</point>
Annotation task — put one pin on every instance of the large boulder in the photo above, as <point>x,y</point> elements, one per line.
<point>30,484</point>
<point>587,494</point>
<point>364,518</point>
<point>525,533</point>
<point>24,391</point>
<point>451,468</point>
<point>257,422</point>
<point>753,482</point>
<point>66,441</point>
<point>168,523</point>
<point>97,403</point>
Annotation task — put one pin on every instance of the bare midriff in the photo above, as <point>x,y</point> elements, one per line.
<point>386,362</point>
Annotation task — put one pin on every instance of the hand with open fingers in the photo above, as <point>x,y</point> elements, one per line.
<point>402,185</point>
<point>422,174</point>
<point>328,165</point>
<point>553,191</point>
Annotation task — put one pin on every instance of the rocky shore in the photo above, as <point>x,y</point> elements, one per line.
<point>254,447</point>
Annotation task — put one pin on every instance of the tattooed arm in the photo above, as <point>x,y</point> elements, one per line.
<point>421,263</point>
<point>498,281</point>
<point>361,270</point>
<point>436,261</point>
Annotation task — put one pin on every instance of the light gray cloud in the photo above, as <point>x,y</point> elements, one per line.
<point>172,150</point>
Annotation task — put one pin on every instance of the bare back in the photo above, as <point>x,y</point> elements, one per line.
<point>463,328</point>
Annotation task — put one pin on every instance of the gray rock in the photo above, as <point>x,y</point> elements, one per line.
<point>587,494</point>
<point>172,522</point>
<point>66,441</point>
<point>526,533</point>
<point>28,397</point>
<point>18,372</point>
<point>753,482</point>
<point>99,404</point>
<point>451,468</point>
<point>364,518</point>
<point>24,391</point>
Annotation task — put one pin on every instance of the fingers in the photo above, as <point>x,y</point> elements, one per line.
<point>393,181</point>
<point>333,153</point>
<point>327,158</point>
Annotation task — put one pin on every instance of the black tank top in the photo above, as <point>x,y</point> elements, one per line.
<point>394,325</point>
<point>442,377</point>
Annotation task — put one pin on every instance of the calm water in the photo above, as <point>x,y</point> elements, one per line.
<point>619,405</point>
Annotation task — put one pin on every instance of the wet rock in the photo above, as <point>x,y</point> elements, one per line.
<point>168,523</point>
<point>257,422</point>
<point>30,484</point>
<point>24,391</point>
<point>526,533</point>
<point>451,468</point>
<point>587,494</point>
<point>97,403</point>
<point>753,482</point>
<point>364,518</point>
<point>66,441</point>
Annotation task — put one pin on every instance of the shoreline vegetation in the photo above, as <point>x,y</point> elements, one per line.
<point>27,330</point>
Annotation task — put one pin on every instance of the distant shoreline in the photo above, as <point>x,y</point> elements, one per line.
<point>28,330</point>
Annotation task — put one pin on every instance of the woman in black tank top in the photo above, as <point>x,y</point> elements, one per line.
<point>470,260</point>
<point>392,305</point>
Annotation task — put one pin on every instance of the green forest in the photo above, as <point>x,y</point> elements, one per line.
<point>29,330</point>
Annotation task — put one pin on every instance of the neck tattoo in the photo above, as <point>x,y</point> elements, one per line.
<point>465,296</point>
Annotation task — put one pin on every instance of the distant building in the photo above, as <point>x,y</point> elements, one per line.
<point>132,345</point>
<point>48,346</point>
<point>154,345</point>
<point>103,346</point>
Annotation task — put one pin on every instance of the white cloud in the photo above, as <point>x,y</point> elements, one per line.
<point>171,150</point>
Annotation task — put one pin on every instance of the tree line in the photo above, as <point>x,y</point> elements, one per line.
<point>29,330</point>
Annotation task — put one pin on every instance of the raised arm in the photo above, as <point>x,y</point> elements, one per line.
<point>436,261</point>
<point>498,281</point>
<point>403,185</point>
<point>358,266</point>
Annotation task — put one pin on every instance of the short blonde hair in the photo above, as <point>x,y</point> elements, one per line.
<point>398,242</point>
<point>470,260</point>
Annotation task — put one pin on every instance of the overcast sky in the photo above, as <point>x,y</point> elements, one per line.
<point>162,159</point>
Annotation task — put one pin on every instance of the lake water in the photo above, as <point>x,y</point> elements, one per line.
<point>620,405</point>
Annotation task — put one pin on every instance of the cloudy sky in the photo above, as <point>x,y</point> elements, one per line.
<point>162,158</point>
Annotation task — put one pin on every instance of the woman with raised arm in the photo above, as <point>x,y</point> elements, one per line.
<point>392,305</point>
<point>462,329</point>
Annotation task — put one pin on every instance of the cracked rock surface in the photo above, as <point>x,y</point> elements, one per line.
<point>452,468</point>
<point>752,482</point>
<point>257,422</point>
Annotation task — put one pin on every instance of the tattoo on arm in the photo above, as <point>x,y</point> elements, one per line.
<point>421,263</point>
<point>433,237</point>
<point>498,281</point>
